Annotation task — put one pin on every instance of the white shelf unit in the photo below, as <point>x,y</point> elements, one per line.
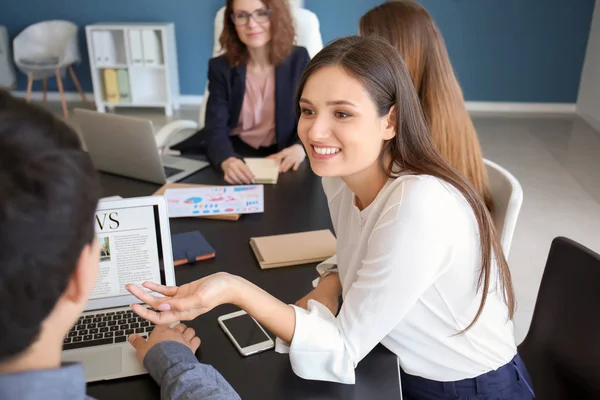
<point>147,54</point>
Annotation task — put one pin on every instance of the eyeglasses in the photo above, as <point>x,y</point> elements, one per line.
<point>259,16</point>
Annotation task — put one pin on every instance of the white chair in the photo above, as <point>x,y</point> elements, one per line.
<point>308,35</point>
<point>48,49</point>
<point>507,194</point>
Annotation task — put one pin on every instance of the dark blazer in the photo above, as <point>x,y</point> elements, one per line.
<point>227,86</point>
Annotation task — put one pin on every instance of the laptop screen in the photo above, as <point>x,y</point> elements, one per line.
<point>131,249</point>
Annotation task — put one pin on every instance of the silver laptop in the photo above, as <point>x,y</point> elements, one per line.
<point>126,146</point>
<point>135,246</point>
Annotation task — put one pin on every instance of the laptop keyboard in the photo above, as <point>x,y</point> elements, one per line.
<point>106,328</point>
<point>169,172</point>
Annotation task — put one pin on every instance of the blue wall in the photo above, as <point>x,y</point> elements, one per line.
<point>516,50</point>
<point>510,50</point>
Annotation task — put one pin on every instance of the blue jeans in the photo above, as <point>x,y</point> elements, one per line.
<point>510,382</point>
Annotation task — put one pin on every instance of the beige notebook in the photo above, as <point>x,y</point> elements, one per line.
<point>293,249</point>
<point>163,189</point>
<point>265,170</point>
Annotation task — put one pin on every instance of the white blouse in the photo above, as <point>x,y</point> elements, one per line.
<point>409,265</point>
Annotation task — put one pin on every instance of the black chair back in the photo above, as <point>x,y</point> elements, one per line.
<point>562,348</point>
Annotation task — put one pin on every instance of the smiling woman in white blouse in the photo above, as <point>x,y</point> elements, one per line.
<point>419,264</point>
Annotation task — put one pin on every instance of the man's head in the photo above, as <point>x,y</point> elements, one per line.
<point>48,249</point>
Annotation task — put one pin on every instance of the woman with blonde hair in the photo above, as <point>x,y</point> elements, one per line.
<point>411,29</point>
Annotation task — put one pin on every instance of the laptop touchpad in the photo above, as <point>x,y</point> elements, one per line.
<point>103,363</point>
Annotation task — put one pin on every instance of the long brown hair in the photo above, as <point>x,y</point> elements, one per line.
<point>381,70</point>
<point>411,29</point>
<point>282,34</point>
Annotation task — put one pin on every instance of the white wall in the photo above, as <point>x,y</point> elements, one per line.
<point>588,101</point>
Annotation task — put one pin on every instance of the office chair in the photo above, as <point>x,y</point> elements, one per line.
<point>562,348</point>
<point>507,195</point>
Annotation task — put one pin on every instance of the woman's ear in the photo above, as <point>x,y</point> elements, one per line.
<point>391,121</point>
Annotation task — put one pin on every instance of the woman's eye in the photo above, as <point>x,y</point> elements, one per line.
<point>262,13</point>
<point>306,111</point>
<point>341,114</point>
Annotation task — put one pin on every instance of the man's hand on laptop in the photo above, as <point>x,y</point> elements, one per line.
<point>163,333</point>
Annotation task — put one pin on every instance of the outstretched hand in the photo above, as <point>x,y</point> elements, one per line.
<point>181,303</point>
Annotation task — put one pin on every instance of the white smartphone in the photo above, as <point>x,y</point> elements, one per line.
<point>245,333</point>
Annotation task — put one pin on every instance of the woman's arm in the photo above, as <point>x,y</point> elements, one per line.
<point>216,129</point>
<point>274,314</point>
<point>407,251</point>
<point>303,61</point>
<point>327,292</point>
<point>294,154</point>
<point>188,301</point>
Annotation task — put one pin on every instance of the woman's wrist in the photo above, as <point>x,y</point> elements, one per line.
<point>273,314</point>
<point>236,290</point>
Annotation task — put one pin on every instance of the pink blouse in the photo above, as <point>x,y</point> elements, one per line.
<point>256,126</point>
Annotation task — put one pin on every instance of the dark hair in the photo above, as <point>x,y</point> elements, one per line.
<point>282,34</point>
<point>412,31</point>
<point>48,196</point>
<point>380,69</point>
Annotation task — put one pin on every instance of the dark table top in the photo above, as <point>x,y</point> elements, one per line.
<point>297,203</point>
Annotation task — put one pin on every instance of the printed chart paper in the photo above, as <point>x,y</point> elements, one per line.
<point>216,200</point>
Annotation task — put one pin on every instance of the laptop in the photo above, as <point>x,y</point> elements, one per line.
<point>126,146</point>
<point>135,246</point>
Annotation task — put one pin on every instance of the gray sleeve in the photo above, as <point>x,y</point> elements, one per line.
<point>181,376</point>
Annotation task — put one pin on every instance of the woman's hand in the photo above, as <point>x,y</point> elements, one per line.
<point>189,301</point>
<point>290,157</point>
<point>236,172</point>
<point>185,302</point>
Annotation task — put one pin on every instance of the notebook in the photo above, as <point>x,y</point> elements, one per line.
<point>265,170</point>
<point>190,247</point>
<point>293,249</point>
<point>161,192</point>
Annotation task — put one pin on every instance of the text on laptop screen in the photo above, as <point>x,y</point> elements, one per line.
<point>130,249</point>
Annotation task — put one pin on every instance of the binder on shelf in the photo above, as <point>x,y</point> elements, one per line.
<point>151,47</point>
<point>111,85</point>
<point>123,83</point>
<point>98,43</point>
<point>135,47</point>
<point>110,50</point>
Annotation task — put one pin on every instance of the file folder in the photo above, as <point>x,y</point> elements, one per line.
<point>151,47</point>
<point>123,83</point>
<point>135,47</point>
<point>111,85</point>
